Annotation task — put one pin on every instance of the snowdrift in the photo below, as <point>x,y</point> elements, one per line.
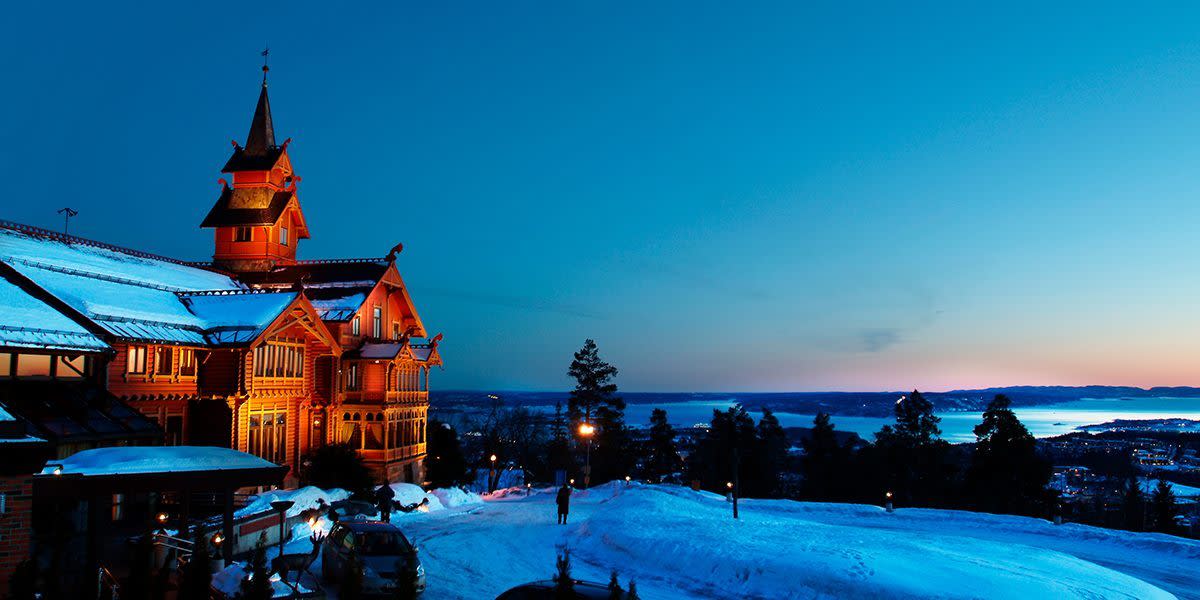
<point>781,549</point>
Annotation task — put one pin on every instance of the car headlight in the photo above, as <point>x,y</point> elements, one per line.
<point>420,570</point>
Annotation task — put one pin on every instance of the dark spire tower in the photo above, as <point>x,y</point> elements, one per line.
<point>258,220</point>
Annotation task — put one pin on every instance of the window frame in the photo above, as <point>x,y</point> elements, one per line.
<point>377,322</point>
<point>164,355</point>
<point>283,236</point>
<point>135,359</point>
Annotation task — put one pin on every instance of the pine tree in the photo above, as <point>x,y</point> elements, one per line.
<point>771,454</point>
<point>824,462</point>
<point>729,445</point>
<point>632,594</point>
<point>257,584</point>
<point>912,455</point>
<point>1006,474</point>
<point>594,401</point>
<point>1162,505</point>
<point>662,454</point>
<point>614,587</point>
<point>195,581</point>
<point>337,466</point>
<point>1133,506</point>
<point>564,584</point>
<point>446,465</point>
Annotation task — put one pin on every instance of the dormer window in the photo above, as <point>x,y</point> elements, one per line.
<point>283,236</point>
<point>242,234</point>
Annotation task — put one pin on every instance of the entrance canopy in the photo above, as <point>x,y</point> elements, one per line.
<point>132,469</point>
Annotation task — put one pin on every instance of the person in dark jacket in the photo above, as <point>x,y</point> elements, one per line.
<point>383,501</point>
<point>564,503</point>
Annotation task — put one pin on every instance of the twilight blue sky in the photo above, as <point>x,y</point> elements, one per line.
<point>727,196</point>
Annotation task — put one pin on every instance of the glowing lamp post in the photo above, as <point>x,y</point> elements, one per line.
<point>586,430</point>
<point>492,477</point>
<point>888,501</point>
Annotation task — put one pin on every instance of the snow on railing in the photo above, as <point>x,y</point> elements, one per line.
<point>338,261</point>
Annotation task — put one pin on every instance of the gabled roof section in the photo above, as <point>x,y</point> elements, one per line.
<point>234,209</point>
<point>396,349</point>
<point>236,318</point>
<point>28,322</point>
<point>338,303</point>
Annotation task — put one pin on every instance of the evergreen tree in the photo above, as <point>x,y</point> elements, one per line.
<point>911,456</point>
<point>614,587</point>
<point>564,584</point>
<point>1133,506</point>
<point>771,455</point>
<point>594,401</point>
<point>337,466</point>
<point>824,464</point>
<point>257,584</point>
<point>446,465</point>
<point>1163,508</point>
<point>662,454</point>
<point>632,594</point>
<point>195,580</point>
<point>730,443</point>
<point>558,450</point>
<point>1006,474</point>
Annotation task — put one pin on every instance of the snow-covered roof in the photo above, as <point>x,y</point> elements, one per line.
<point>130,460</point>
<point>27,322</point>
<point>236,318</point>
<point>338,303</point>
<point>131,295</point>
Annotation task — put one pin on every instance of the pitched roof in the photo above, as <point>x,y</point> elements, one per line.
<point>234,318</point>
<point>135,296</point>
<point>262,131</point>
<point>66,411</point>
<point>338,303</point>
<point>234,209</point>
<point>28,322</point>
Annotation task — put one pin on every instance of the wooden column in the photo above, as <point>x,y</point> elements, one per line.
<point>227,526</point>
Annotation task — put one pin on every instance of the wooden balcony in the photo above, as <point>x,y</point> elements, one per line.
<point>408,398</point>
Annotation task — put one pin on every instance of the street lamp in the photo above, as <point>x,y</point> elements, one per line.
<point>586,430</point>
<point>492,478</point>
<point>282,506</point>
<point>888,499</point>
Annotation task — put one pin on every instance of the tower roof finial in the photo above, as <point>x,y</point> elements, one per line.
<point>265,54</point>
<point>262,131</point>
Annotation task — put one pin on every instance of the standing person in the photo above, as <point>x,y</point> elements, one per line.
<point>564,503</point>
<point>383,500</point>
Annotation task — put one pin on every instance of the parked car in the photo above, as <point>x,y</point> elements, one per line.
<point>379,547</point>
<point>548,590</point>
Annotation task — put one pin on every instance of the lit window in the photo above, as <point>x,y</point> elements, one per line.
<point>162,360</point>
<point>72,367</point>
<point>352,381</point>
<point>136,362</point>
<point>377,322</point>
<point>283,236</point>
<point>395,330</point>
<point>187,362</point>
<point>243,234</point>
<point>33,365</point>
<point>6,364</point>
<point>356,326</point>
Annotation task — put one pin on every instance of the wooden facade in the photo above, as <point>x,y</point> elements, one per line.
<point>257,351</point>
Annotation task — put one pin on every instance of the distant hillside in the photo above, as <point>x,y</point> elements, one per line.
<point>839,403</point>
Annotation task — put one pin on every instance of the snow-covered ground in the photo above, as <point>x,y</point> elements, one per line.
<point>682,544</point>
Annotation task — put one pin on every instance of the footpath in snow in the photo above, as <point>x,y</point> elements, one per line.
<point>678,543</point>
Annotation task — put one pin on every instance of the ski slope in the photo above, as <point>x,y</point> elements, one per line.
<point>682,544</point>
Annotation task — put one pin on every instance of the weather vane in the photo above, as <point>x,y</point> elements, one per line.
<point>67,212</point>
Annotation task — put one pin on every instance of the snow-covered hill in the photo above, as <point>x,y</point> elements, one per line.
<point>682,544</point>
